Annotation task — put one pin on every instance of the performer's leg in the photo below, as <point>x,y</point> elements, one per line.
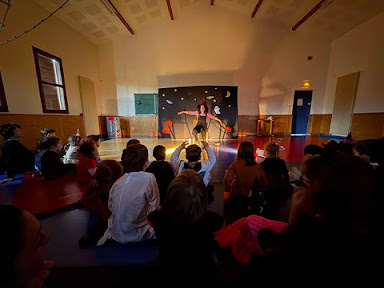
<point>195,135</point>
<point>204,133</point>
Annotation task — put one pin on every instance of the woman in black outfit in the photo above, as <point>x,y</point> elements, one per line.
<point>202,116</point>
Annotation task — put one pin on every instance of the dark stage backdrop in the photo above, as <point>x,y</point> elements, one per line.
<point>221,102</point>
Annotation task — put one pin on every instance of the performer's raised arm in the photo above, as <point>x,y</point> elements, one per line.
<point>195,113</point>
<point>210,116</point>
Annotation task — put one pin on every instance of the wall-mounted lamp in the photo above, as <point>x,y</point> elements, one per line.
<point>306,84</point>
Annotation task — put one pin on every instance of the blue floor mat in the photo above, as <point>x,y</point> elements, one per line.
<point>67,227</point>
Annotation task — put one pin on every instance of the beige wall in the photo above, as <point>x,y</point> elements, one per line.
<point>361,49</point>
<point>79,57</point>
<point>220,47</point>
<point>204,47</point>
<point>107,98</point>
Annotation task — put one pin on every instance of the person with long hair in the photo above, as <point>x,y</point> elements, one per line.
<point>96,199</point>
<point>239,178</point>
<point>203,117</point>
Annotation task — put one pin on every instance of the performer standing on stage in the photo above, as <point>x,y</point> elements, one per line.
<point>202,116</point>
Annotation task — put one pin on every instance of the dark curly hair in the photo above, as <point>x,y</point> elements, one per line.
<point>7,130</point>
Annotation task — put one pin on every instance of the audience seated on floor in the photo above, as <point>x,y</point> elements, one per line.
<point>95,140</point>
<point>295,173</point>
<point>334,227</point>
<point>162,170</point>
<point>22,245</point>
<point>278,190</point>
<point>15,157</point>
<point>45,133</point>
<point>184,229</point>
<point>130,142</point>
<point>244,180</point>
<point>371,150</point>
<point>87,165</point>
<point>131,199</point>
<point>96,199</point>
<point>51,165</point>
<point>193,155</point>
<point>72,149</point>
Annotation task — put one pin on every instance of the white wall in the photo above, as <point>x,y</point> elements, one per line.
<point>361,49</point>
<point>78,55</point>
<point>220,47</point>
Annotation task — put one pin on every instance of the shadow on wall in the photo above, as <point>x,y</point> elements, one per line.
<point>258,60</point>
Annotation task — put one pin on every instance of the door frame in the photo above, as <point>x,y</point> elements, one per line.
<point>294,112</point>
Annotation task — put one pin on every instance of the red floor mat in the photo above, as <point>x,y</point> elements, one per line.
<point>38,195</point>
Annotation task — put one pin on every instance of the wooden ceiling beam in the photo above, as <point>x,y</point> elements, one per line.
<point>309,14</point>
<point>170,9</point>
<point>256,8</point>
<point>121,18</point>
<point>212,2</point>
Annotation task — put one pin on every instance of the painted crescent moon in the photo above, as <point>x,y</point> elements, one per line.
<point>228,94</point>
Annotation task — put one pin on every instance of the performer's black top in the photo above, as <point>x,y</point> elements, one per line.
<point>202,121</point>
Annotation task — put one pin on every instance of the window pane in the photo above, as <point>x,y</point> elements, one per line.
<point>53,97</point>
<point>51,82</point>
<point>48,69</point>
<point>59,78</point>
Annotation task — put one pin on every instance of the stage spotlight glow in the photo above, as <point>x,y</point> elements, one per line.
<point>169,151</point>
<point>228,150</point>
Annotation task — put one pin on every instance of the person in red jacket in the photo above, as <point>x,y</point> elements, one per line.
<point>87,166</point>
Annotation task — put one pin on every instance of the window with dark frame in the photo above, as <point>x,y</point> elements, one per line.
<point>50,75</point>
<point>3,101</point>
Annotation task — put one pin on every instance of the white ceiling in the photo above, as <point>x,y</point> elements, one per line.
<point>92,19</point>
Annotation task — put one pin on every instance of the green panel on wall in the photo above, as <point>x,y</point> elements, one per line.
<point>146,104</point>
